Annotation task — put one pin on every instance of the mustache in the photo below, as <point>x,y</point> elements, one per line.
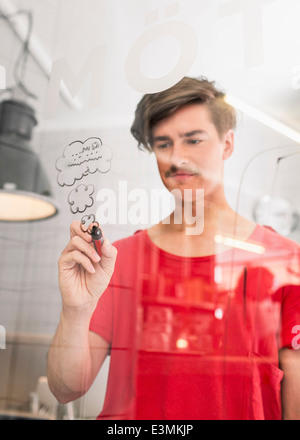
<point>175,170</point>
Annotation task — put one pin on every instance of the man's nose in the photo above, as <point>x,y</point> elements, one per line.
<point>178,155</point>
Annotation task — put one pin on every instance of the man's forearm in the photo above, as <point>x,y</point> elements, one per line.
<point>69,362</point>
<point>290,392</point>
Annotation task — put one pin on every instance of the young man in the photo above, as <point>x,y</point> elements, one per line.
<point>196,325</point>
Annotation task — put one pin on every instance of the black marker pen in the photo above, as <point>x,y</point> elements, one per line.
<point>97,238</point>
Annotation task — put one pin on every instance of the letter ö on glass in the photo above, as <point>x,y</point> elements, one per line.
<point>187,38</point>
<point>62,73</point>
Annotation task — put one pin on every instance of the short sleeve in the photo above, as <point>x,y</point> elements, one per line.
<point>102,318</point>
<point>290,317</point>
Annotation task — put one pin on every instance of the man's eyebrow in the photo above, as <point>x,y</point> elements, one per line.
<point>161,138</point>
<point>192,133</point>
<point>188,134</point>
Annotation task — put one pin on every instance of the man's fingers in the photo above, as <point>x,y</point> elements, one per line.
<point>81,243</point>
<point>70,259</point>
<point>108,257</point>
<point>75,230</point>
<point>78,243</point>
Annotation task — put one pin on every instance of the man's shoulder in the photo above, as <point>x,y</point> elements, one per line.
<point>272,240</point>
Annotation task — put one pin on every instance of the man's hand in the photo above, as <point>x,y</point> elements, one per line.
<point>72,362</point>
<point>83,276</point>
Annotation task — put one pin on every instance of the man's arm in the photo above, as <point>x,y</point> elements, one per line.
<point>75,357</point>
<point>290,392</point>
<point>76,354</point>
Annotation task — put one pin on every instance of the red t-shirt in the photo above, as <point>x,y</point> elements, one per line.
<point>198,337</point>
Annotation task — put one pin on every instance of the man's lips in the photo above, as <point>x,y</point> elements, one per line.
<point>180,173</point>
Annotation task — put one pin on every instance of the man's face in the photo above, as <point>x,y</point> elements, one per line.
<point>189,150</point>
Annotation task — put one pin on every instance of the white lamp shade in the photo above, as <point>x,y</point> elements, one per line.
<point>22,206</point>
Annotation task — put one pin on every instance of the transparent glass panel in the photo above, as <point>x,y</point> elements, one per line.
<point>199,318</point>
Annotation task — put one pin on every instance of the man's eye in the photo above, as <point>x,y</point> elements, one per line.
<point>162,146</point>
<point>194,141</point>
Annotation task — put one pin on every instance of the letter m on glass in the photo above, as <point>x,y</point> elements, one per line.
<point>61,71</point>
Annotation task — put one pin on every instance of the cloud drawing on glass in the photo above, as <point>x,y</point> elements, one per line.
<point>81,198</point>
<point>88,219</point>
<point>80,159</point>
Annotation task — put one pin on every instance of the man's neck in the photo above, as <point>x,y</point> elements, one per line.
<point>197,238</point>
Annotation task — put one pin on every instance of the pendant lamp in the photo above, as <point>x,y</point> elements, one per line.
<point>25,193</point>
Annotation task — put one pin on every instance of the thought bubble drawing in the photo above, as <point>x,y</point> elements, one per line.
<point>82,158</point>
<point>88,219</point>
<point>81,198</point>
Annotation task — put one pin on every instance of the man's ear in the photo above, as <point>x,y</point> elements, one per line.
<point>228,143</point>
